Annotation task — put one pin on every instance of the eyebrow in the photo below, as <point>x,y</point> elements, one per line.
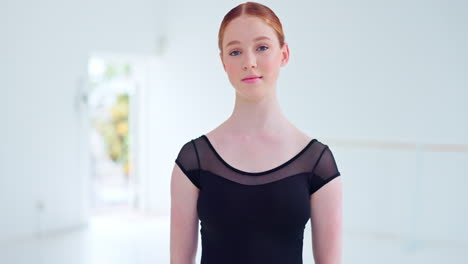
<point>255,39</point>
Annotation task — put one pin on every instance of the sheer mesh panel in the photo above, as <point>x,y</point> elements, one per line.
<point>302,162</point>
<point>326,166</point>
<point>189,162</point>
<point>325,170</point>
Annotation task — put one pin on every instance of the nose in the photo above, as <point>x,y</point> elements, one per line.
<point>249,62</point>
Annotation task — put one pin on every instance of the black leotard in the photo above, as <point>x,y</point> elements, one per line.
<point>254,217</point>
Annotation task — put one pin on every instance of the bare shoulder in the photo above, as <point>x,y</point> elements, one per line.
<point>301,136</point>
<point>221,135</point>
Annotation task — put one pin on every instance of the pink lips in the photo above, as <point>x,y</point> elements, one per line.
<point>251,79</point>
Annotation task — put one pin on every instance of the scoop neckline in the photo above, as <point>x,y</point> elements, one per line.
<point>260,172</point>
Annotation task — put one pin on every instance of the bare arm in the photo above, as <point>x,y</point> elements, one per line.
<point>326,223</point>
<point>184,219</point>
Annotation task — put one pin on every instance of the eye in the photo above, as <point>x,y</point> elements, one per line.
<point>233,52</point>
<point>263,47</point>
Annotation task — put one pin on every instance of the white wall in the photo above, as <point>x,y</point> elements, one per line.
<point>45,48</point>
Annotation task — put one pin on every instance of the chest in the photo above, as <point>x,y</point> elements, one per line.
<point>257,157</point>
<point>226,204</point>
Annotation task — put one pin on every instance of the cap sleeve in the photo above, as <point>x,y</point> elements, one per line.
<point>325,170</point>
<point>188,161</point>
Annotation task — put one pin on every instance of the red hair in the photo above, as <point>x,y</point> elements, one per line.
<point>256,10</point>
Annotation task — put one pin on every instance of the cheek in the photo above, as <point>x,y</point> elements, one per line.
<point>231,68</point>
<point>271,64</point>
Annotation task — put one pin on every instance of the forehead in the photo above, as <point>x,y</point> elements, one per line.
<point>246,29</point>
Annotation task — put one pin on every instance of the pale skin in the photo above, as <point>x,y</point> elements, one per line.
<point>256,128</point>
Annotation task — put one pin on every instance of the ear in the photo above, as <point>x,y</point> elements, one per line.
<point>284,54</point>
<point>221,56</point>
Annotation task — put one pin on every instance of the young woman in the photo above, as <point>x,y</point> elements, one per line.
<point>255,180</point>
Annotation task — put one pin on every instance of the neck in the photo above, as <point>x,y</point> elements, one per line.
<point>258,117</point>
